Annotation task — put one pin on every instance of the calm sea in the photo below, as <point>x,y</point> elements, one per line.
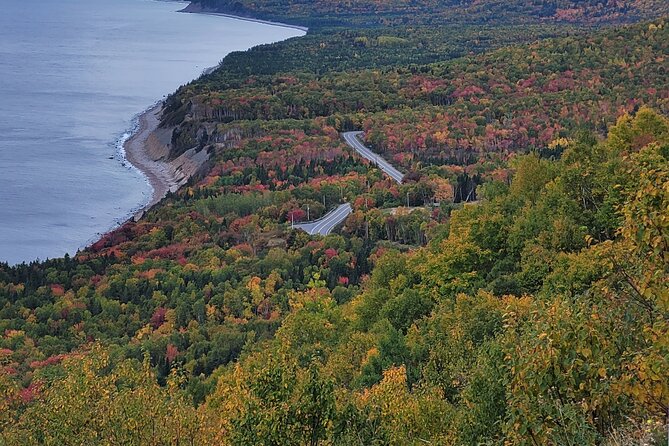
<point>73,74</point>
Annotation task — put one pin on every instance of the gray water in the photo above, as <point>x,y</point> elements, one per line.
<point>73,74</point>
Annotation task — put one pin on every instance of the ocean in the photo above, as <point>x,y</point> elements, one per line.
<point>73,76</point>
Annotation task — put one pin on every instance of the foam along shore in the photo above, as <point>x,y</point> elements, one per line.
<point>148,150</point>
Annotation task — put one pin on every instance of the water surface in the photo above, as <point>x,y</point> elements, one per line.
<point>73,74</point>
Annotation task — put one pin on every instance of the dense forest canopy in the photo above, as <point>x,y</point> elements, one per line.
<point>511,290</point>
<point>432,12</point>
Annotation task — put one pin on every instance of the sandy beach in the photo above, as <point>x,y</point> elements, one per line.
<point>148,150</point>
<point>137,151</point>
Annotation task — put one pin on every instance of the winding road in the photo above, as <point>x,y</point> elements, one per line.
<point>352,140</point>
<point>325,225</point>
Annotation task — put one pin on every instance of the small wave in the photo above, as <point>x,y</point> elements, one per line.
<point>120,156</point>
<point>120,153</point>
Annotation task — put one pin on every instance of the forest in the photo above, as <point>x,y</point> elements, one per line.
<point>512,290</point>
<point>432,12</point>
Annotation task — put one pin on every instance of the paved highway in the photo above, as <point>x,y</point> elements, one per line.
<point>326,224</point>
<point>352,140</point>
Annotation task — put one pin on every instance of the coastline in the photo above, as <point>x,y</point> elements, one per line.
<point>145,151</point>
<point>191,9</point>
<point>140,149</point>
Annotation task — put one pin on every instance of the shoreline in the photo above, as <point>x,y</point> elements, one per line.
<point>190,9</point>
<point>136,151</point>
<point>162,175</point>
<point>165,176</point>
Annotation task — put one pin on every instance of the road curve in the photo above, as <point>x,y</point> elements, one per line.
<point>325,225</point>
<point>352,140</point>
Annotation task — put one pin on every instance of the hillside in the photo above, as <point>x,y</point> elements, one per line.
<point>522,321</point>
<point>521,300</point>
<point>467,115</point>
<point>430,12</point>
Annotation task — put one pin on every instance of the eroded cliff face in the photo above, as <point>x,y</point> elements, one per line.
<point>183,148</point>
<point>191,132</point>
<point>193,127</point>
